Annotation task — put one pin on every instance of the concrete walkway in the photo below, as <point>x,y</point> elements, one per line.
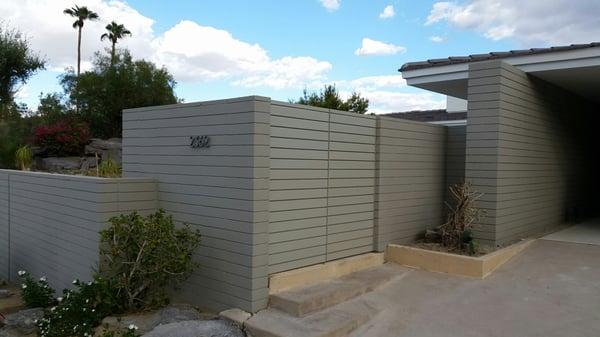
<point>551,289</point>
<point>587,232</point>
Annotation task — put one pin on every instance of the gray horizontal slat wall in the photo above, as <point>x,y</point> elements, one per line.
<point>410,185</point>
<point>351,193</point>
<point>298,187</point>
<point>322,185</point>
<point>456,143</point>
<point>526,150</point>
<point>54,220</point>
<point>4,227</point>
<point>222,190</point>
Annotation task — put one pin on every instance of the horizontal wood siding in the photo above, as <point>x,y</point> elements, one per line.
<point>221,190</point>
<point>298,186</point>
<point>351,193</point>
<point>4,227</point>
<point>456,143</point>
<point>526,150</point>
<point>322,185</point>
<point>410,183</point>
<point>54,220</point>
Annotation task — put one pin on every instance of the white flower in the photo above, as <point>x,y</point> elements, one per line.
<point>133,327</point>
<point>75,281</point>
<point>53,308</point>
<point>43,278</point>
<point>21,272</point>
<point>87,300</point>
<point>23,286</point>
<point>59,299</point>
<point>90,283</point>
<point>93,310</point>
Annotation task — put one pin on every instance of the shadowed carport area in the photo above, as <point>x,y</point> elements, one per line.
<point>551,289</point>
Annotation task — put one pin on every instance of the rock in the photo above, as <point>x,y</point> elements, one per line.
<point>236,315</point>
<point>4,293</point>
<point>213,328</point>
<point>110,148</point>
<point>433,236</point>
<point>147,321</point>
<point>172,314</point>
<point>60,164</point>
<point>24,321</point>
<point>144,321</point>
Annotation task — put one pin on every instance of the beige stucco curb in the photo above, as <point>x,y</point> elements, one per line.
<point>478,267</point>
<point>321,272</point>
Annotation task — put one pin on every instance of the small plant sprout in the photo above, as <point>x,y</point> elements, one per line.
<point>24,158</point>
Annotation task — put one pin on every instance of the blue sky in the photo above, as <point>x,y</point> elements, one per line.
<point>219,49</point>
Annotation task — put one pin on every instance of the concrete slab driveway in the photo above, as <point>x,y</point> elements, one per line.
<point>551,289</point>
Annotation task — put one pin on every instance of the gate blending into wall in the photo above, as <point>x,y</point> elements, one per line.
<point>322,185</point>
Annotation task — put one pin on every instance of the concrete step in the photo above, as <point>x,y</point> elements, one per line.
<point>306,300</point>
<point>337,321</point>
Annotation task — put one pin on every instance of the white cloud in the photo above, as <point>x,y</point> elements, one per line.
<point>530,22</point>
<point>190,51</point>
<point>388,12</point>
<point>437,39</point>
<point>384,101</point>
<point>374,47</point>
<point>331,5</point>
<point>376,82</point>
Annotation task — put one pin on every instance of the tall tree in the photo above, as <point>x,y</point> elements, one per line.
<point>17,63</point>
<point>81,14</point>
<point>330,98</point>
<point>114,33</point>
<point>106,90</point>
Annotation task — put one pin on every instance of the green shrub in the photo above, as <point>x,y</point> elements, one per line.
<point>35,293</point>
<point>144,255</point>
<point>23,158</point>
<point>79,311</point>
<point>109,169</point>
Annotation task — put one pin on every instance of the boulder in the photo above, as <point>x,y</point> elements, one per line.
<point>4,293</point>
<point>147,321</point>
<point>238,316</point>
<point>109,148</point>
<point>60,164</point>
<point>24,321</point>
<point>211,328</point>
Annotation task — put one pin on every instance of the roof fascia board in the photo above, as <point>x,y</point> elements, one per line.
<point>527,63</point>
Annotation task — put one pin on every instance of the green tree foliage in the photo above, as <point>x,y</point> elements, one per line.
<point>105,91</point>
<point>13,134</point>
<point>330,98</point>
<point>17,64</point>
<point>114,33</point>
<point>81,14</point>
<point>51,108</point>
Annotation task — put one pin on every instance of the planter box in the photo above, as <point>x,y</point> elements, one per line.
<point>478,267</point>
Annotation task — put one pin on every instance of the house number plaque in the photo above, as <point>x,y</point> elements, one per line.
<point>197,142</point>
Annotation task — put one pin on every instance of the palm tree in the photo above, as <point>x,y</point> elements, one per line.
<point>115,32</point>
<point>81,14</point>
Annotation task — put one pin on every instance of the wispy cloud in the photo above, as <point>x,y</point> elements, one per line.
<point>374,47</point>
<point>529,22</point>
<point>388,12</point>
<point>331,5</point>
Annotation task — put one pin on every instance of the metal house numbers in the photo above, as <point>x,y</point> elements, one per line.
<point>197,142</point>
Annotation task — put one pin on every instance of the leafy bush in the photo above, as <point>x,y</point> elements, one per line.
<point>144,255</point>
<point>79,311</point>
<point>23,158</point>
<point>109,169</point>
<point>35,293</point>
<point>65,137</point>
